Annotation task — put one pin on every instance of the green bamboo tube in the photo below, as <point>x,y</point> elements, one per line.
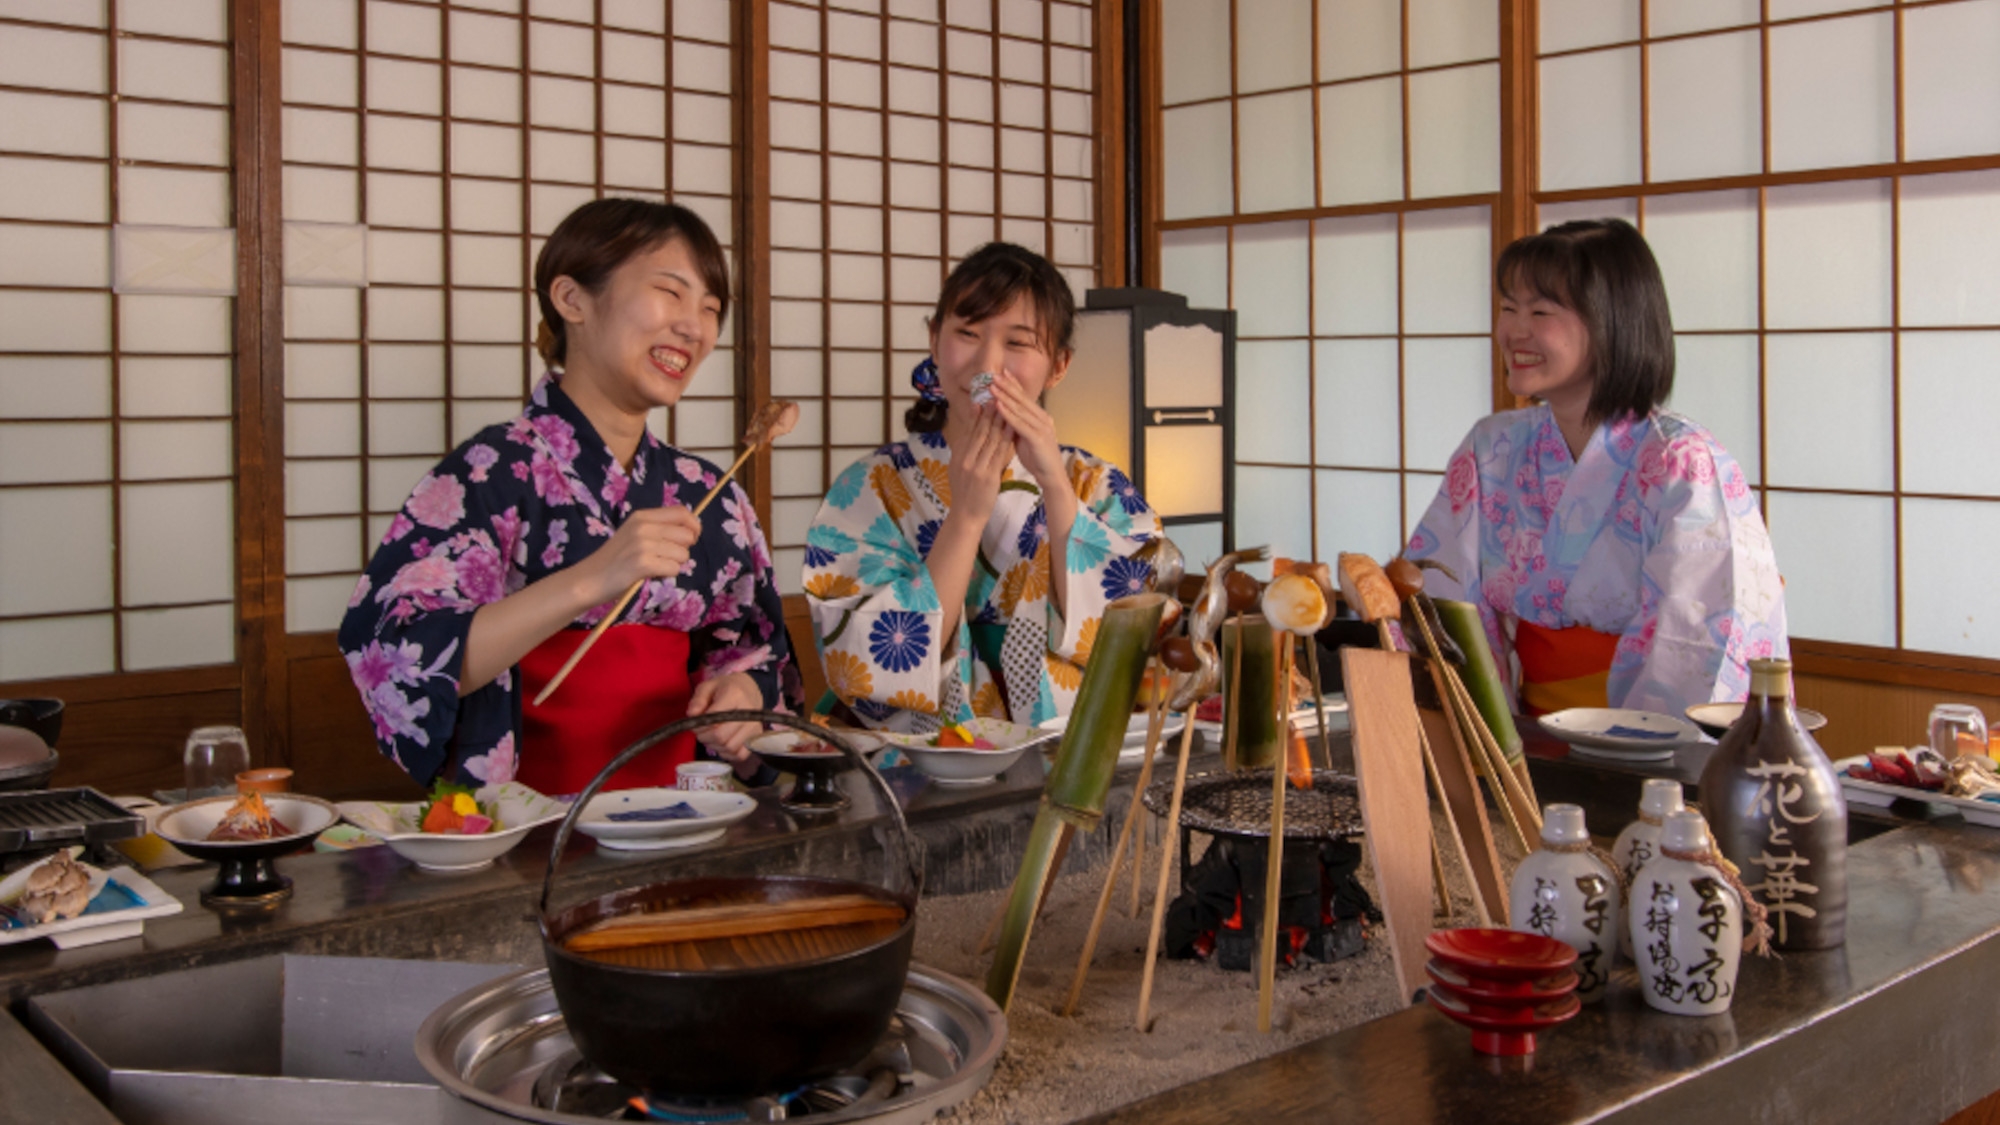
<point>1080,780</point>
<point>1482,675</point>
<point>1260,736</point>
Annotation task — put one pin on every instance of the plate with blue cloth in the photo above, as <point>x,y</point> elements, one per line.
<point>645,820</point>
<point>1613,732</point>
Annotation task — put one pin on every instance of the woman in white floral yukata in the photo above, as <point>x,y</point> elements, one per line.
<point>964,571</point>
<point>517,543</point>
<point>1612,546</point>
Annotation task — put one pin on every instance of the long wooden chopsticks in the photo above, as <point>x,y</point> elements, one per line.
<point>734,920</point>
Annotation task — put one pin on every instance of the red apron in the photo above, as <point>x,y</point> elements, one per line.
<point>633,682</point>
<point>1563,668</point>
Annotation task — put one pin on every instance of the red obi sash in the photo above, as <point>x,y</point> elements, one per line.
<point>634,682</point>
<point>1563,668</point>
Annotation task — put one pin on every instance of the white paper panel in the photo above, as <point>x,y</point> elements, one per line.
<point>1361,142</point>
<point>405,201</point>
<point>56,322</point>
<point>1706,102</point>
<point>406,257</point>
<point>854,132</point>
<point>1838,556</point>
<point>56,125</point>
<point>1455,131</point>
<point>405,428</point>
<point>1184,469</point>
<point>177,542</point>
<point>488,371</point>
<point>1195,264</point>
<point>1276,151</point>
<point>170,197</point>
<point>862,374</point>
<point>1950,248</point>
<point>795,27</point>
<point>1569,25</point>
<point>334,254</point>
<point>1273,507</point>
<point>319,136</point>
<point>1833,93</point>
<point>1715,384</point>
<point>55,452</point>
<point>1198,161</point>
<point>561,103</point>
<point>1818,385</point>
<point>54,256</point>
<point>319,78</point>
<point>966,53</point>
<point>1271,280</point>
<point>321,195</point>
<point>857,228</point>
<point>179,638</point>
<point>174,387</point>
<point>57,646</point>
<point>1020,62</point>
<point>1360,512</point>
<point>322,429</point>
<point>1273,44</point>
<point>1706,245</point>
<point>1273,415</point>
<point>1447,265</point>
<point>1827,256</point>
<point>1354,283</point>
<point>321,313</point>
<point>494,317</point>
<point>1030,233</point>
<point>1951,391</point>
<point>174,134</point>
<point>405,314</point>
<point>854,181</point>
<point>56,387</point>
<point>1359,37</point>
<point>56,190</point>
<point>48,59</point>
<point>855,326</point>
<point>1194,49</point>
<point>912,91</point>
<point>1355,403</point>
<point>174,71</point>
<point>1949,604</point>
<point>390,480</point>
<point>1590,119</point>
<point>1419,490</point>
<point>1200,542</point>
<point>1443,32</point>
<point>1027,196</point>
<point>405,371</point>
<point>856,277</point>
<point>315,605</point>
<point>322,371</point>
<point>855,420</point>
<point>477,260</point>
<point>174,324</point>
<point>1447,386</point>
<point>55,549</point>
<point>636,112</point>
<point>174,450</point>
<point>1792,9</point>
<point>406,85</point>
<point>314,488</point>
<point>1948,53</point>
<point>1069,112</point>
<point>795,175</point>
<point>1682,16</point>
<point>547,205</point>
<point>1021,151</point>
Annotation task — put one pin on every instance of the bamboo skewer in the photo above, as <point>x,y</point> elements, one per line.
<point>1274,862</point>
<point>1153,720</point>
<point>1514,805</point>
<point>772,421</point>
<point>1143,1020</point>
<point>1319,700</point>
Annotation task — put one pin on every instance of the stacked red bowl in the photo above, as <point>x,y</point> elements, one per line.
<point>1502,984</point>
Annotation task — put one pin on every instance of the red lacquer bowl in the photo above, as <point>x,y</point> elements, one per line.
<point>1500,955</point>
<point>1504,1029</point>
<point>1486,990</point>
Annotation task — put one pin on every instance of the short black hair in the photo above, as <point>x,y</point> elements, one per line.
<point>988,281</point>
<point>598,237</point>
<point>1602,270</point>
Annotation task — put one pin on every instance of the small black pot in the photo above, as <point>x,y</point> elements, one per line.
<point>43,716</point>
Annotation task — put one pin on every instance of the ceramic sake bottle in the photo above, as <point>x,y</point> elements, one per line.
<point>1564,892</point>
<point>1775,805</point>
<point>1687,924</point>
<point>1641,839</point>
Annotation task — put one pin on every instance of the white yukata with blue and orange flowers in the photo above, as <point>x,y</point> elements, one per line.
<point>876,613</point>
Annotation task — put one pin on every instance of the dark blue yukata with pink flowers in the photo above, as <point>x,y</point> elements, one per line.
<point>518,502</point>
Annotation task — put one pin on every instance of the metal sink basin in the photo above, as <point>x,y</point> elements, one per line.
<point>289,1038</point>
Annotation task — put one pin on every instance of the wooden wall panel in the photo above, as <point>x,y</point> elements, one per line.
<point>333,753</point>
<point>133,746</point>
<point>1861,716</point>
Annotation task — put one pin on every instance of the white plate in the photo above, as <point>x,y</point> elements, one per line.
<point>1615,729</point>
<point>1133,749</point>
<point>1606,754</point>
<point>518,808</point>
<point>1302,718</point>
<point>90,929</point>
<point>718,811</point>
<point>1724,715</point>
<point>1876,794</point>
<point>665,843</point>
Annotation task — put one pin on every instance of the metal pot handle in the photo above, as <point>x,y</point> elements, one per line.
<point>912,863</point>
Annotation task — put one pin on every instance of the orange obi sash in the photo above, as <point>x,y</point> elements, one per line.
<point>1563,668</point>
<point>633,683</point>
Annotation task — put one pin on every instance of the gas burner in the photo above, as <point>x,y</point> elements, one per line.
<point>504,1046</point>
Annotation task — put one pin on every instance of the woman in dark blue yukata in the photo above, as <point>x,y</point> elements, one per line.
<point>520,540</point>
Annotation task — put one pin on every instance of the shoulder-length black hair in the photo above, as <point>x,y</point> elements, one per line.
<point>598,237</point>
<point>988,281</point>
<point>1602,270</point>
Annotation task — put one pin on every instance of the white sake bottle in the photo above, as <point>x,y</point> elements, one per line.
<point>1564,892</point>
<point>1640,841</point>
<point>1687,924</point>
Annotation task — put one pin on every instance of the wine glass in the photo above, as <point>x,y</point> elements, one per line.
<point>214,756</point>
<point>1957,730</point>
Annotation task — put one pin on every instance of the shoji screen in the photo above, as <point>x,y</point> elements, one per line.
<point>429,148</point>
<point>902,138</point>
<point>1821,183</point>
<point>117,272</point>
<point>1329,172</point>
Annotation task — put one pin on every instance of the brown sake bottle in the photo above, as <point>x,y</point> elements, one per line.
<point>1774,804</point>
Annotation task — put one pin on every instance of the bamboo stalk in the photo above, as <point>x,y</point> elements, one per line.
<point>597,631</point>
<point>1274,862</point>
<point>1232,688</point>
<point>1145,779</point>
<point>1462,621</point>
<point>1153,720</point>
<point>1143,1020</point>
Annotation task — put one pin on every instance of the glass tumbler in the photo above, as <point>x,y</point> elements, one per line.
<point>1957,730</point>
<point>214,756</point>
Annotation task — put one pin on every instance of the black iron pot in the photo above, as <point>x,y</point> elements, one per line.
<point>43,716</point>
<point>732,1032</point>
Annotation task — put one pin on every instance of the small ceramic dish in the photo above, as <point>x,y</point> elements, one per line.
<point>621,819</point>
<point>1485,990</point>
<point>248,876</point>
<point>1504,1031</point>
<point>1715,719</point>
<point>813,790</point>
<point>516,810</point>
<point>1615,732</point>
<point>120,902</point>
<point>1499,955</point>
<point>958,765</point>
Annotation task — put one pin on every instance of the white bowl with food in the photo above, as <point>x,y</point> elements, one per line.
<point>996,746</point>
<point>197,826</point>
<point>510,809</point>
<point>647,820</point>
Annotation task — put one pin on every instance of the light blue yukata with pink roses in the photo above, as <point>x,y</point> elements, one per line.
<point>518,502</point>
<point>1652,535</point>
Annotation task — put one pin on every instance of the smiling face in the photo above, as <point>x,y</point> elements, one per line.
<point>1546,347</point>
<point>640,339</point>
<point>1008,342</point>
